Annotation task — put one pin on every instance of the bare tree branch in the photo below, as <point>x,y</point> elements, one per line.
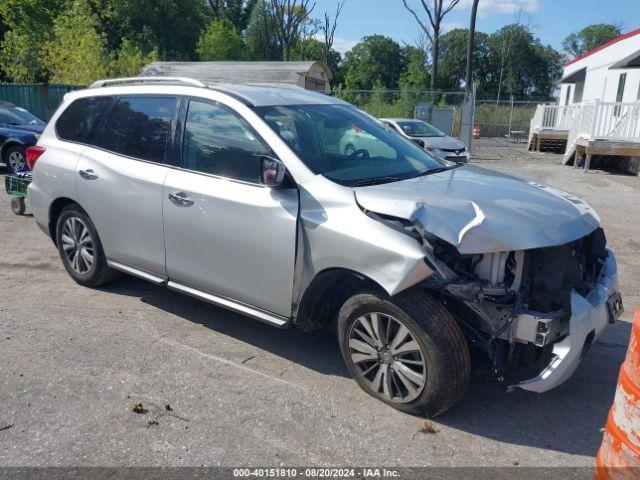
<point>435,13</point>
<point>329,30</point>
<point>289,15</point>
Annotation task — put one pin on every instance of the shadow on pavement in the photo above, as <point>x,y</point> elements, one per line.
<point>567,419</point>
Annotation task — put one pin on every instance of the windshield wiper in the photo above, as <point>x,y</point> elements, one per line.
<point>376,181</point>
<point>436,170</point>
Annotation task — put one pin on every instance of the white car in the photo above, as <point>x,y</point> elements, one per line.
<point>430,138</point>
<point>356,141</point>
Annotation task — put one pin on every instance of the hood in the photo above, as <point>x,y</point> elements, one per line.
<point>445,143</point>
<point>28,128</point>
<point>483,211</point>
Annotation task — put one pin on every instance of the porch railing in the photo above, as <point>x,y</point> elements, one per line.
<point>591,121</point>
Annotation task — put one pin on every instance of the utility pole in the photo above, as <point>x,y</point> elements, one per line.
<point>470,41</point>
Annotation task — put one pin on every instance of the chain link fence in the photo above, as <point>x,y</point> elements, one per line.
<point>504,118</point>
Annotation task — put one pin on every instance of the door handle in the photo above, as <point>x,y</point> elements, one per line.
<point>181,199</point>
<point>88,174</point>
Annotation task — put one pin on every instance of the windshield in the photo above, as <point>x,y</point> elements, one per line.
<point>18,116</point>
<point>346,145</point>
<point>418,128</point>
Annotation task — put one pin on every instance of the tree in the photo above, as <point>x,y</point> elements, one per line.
<point>313,49</point>
<point>172,27</point>
<point>453,57</point>
<point>435,13</point>
<point>260,37</point>
<point>416,76</point>
<point>375,60</point>
<point>28,25</point>
<point>289,18</point>
<point>589,38</point>
<point>129,60</point>
<point>75,54</point>
<point>238,12</point>
<point>220,41</point>
<point>529,69</point>
<point>329,30</point>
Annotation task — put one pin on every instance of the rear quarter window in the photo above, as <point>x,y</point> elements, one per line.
<point>78,122</point>
<point>140,127</point>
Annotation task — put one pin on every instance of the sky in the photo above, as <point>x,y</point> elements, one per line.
<point>550,20</point>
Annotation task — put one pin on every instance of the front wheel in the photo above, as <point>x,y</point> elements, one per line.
<point>405,350</point>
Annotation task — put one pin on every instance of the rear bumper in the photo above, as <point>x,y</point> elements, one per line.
<point>588,315</point>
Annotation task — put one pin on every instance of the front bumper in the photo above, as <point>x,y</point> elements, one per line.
<point>589,318</point>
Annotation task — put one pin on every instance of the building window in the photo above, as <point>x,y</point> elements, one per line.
<point>620,93</point>
<point>568,98</point>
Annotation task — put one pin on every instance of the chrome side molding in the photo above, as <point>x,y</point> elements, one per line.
<point>136,272</point>
<point>263,316</point>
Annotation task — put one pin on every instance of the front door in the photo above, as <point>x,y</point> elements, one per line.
<point>225,233</point>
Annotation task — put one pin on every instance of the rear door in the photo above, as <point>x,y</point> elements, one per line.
<point>225,233</point>
<point>120,179</point>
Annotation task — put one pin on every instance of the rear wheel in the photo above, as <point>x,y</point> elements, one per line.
<point>17,205</point>
<point>405,350</point>
<point>80,248</point>
<point>16,158</point>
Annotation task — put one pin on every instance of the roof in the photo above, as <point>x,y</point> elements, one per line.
<point>632,61</point>
<point>603,46</point>
<point>577,76</point>
<point>237,72</point>
<point>269,95</point>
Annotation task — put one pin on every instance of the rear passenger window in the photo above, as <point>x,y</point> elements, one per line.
<point>217,141</point>
<point>140,127</point>
<point>79,120</point>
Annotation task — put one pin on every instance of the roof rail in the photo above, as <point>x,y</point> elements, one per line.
<point>134,80</point>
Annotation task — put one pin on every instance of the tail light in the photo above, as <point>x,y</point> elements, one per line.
<point>33,154</point>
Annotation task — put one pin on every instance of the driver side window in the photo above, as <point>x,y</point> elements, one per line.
<point>217,141</point>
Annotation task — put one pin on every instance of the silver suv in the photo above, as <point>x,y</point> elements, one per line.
<point>241,196</point>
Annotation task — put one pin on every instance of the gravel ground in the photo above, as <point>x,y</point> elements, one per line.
<point>73,361</point>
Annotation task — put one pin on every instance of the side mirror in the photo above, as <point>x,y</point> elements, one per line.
<point>271,171</point>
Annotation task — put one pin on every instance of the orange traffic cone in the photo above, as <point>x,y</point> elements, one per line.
<point>619,454</point>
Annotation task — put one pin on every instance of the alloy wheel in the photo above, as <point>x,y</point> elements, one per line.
<point>77,245</point>
<point>16,160</point>
<point>388,357</point>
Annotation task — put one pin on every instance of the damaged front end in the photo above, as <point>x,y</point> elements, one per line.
<point>533,312</point>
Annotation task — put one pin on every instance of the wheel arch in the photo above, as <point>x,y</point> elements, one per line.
<point>54,213</point>
<point>326,293</point>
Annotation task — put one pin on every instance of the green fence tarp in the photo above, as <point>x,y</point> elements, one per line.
<point>40,99</point>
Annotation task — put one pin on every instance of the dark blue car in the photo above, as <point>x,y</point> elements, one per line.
<point>19,129</point>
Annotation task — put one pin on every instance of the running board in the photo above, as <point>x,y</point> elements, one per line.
<point>136,272</point>
<point>266,317</point>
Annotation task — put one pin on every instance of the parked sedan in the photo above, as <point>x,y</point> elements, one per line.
<point>19,129</point>
<point>430,138</point>
<point>355,141</point>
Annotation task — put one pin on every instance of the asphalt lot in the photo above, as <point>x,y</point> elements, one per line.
<point>73,361</point>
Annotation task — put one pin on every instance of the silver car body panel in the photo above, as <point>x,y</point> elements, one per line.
<point>126,203</point>
<point>336,233</point>
<point>237,239</point>
<point>482,211</point>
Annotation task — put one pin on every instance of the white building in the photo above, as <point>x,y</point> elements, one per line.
<point>598,114</point>
<point>610,73</point>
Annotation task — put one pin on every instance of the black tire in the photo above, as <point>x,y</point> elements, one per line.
<point>98,273</point>
<point>21,151</point>
<point>349,149</point>
<point>17,205</point>
<point>443,350</point>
